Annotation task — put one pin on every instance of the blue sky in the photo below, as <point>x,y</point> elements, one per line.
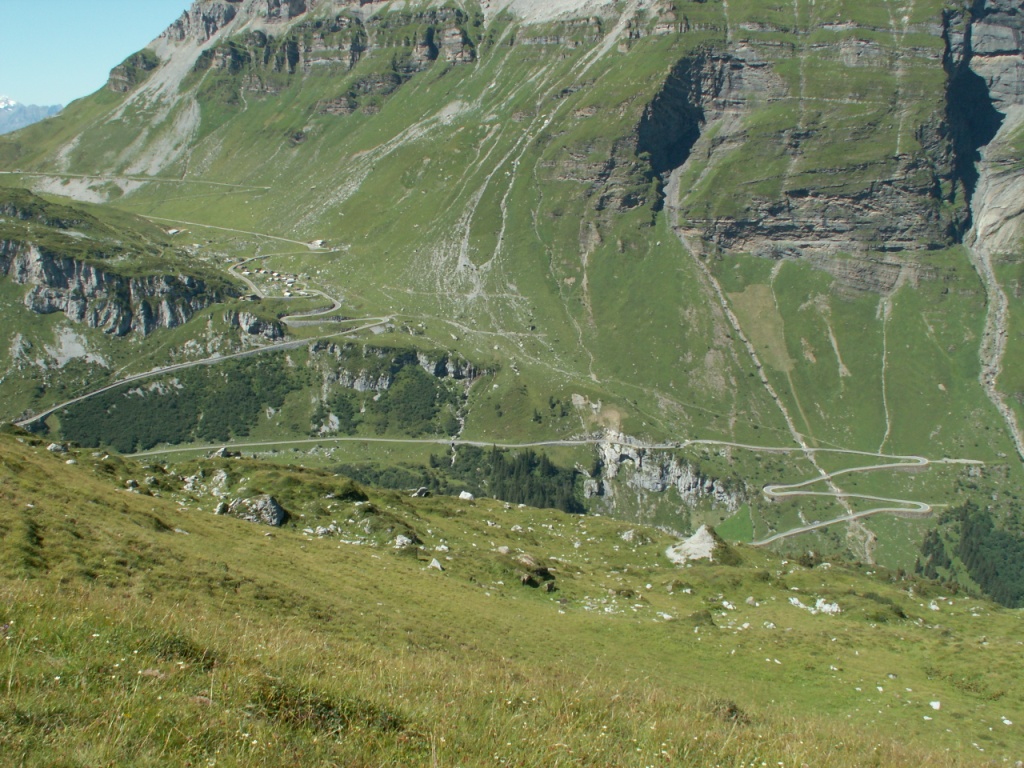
<point>55,51</point>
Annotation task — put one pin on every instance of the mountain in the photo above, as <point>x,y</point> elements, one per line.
<point>352,626</point>
<point>14,115</point>
<point>755,266</point>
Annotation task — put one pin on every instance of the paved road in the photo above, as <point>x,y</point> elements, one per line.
<point>303,318</point>
<point>299,318</point>
<point>163,370</point>
<point>400,440</point>
<point>903,507</point>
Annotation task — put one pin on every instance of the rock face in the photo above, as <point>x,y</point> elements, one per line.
<point>337,44</point>
<point>203,20</point>
<point>698,90</point>
<point>697,119</point>
<point>371,368</point>
<point>101,299</point>
<point>986,65</point>
<point>263,509</point>
<point>654,471</point>
<point>249,323</point>
<point>994,48</point>
<point>285,9</point>
<point>132,71</point>
<point>447,365</point>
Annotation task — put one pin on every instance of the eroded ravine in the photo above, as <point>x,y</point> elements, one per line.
<point>993,339</point>
<point>996,209</point>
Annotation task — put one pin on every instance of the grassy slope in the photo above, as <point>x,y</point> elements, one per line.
<point>131,641</point>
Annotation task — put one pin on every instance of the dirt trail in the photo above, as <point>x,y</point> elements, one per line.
<point>899,33</point>
<point>885,312</point>
<point>308,246</point>
<point>136,177</point>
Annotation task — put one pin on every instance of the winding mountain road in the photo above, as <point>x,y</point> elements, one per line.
<point>902,507</point>
<point>297,320</point>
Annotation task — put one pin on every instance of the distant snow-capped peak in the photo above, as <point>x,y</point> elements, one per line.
<point>6,103</point>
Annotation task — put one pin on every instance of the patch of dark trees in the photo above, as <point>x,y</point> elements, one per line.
<point>206,404</point>
<point>993,557</point>
<point>517,477</point>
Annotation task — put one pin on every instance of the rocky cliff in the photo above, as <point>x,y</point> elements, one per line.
<point>132,71</point>
<point>203,20</point>
<point>910,199</point>
<point>369,367</point>
<point>102,299</point>
<point>624,463</point>
<point>986,61</point>
<point>857,204</point>
<point>335,44</point>
<point>253,325</point>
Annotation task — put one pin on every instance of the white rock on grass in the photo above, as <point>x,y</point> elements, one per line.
<point>700,546</point>
<point>820,606</point>
<point>263,509</point>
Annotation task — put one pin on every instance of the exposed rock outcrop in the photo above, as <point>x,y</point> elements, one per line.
<point>701,546</point>
<point>102,299</point>
<point>264,509</point>
<point>203,20</point>
<point>249,323</point>
<point>570,33</point>
<point>987,56</point>
<point>372,368</point>
<point>416,39</point>
<point>447,365</point>
<point>132,71</point>
<point>996,45</point>
<point>901,210</point>
<point>285,9</point>
<point>656,471</point>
